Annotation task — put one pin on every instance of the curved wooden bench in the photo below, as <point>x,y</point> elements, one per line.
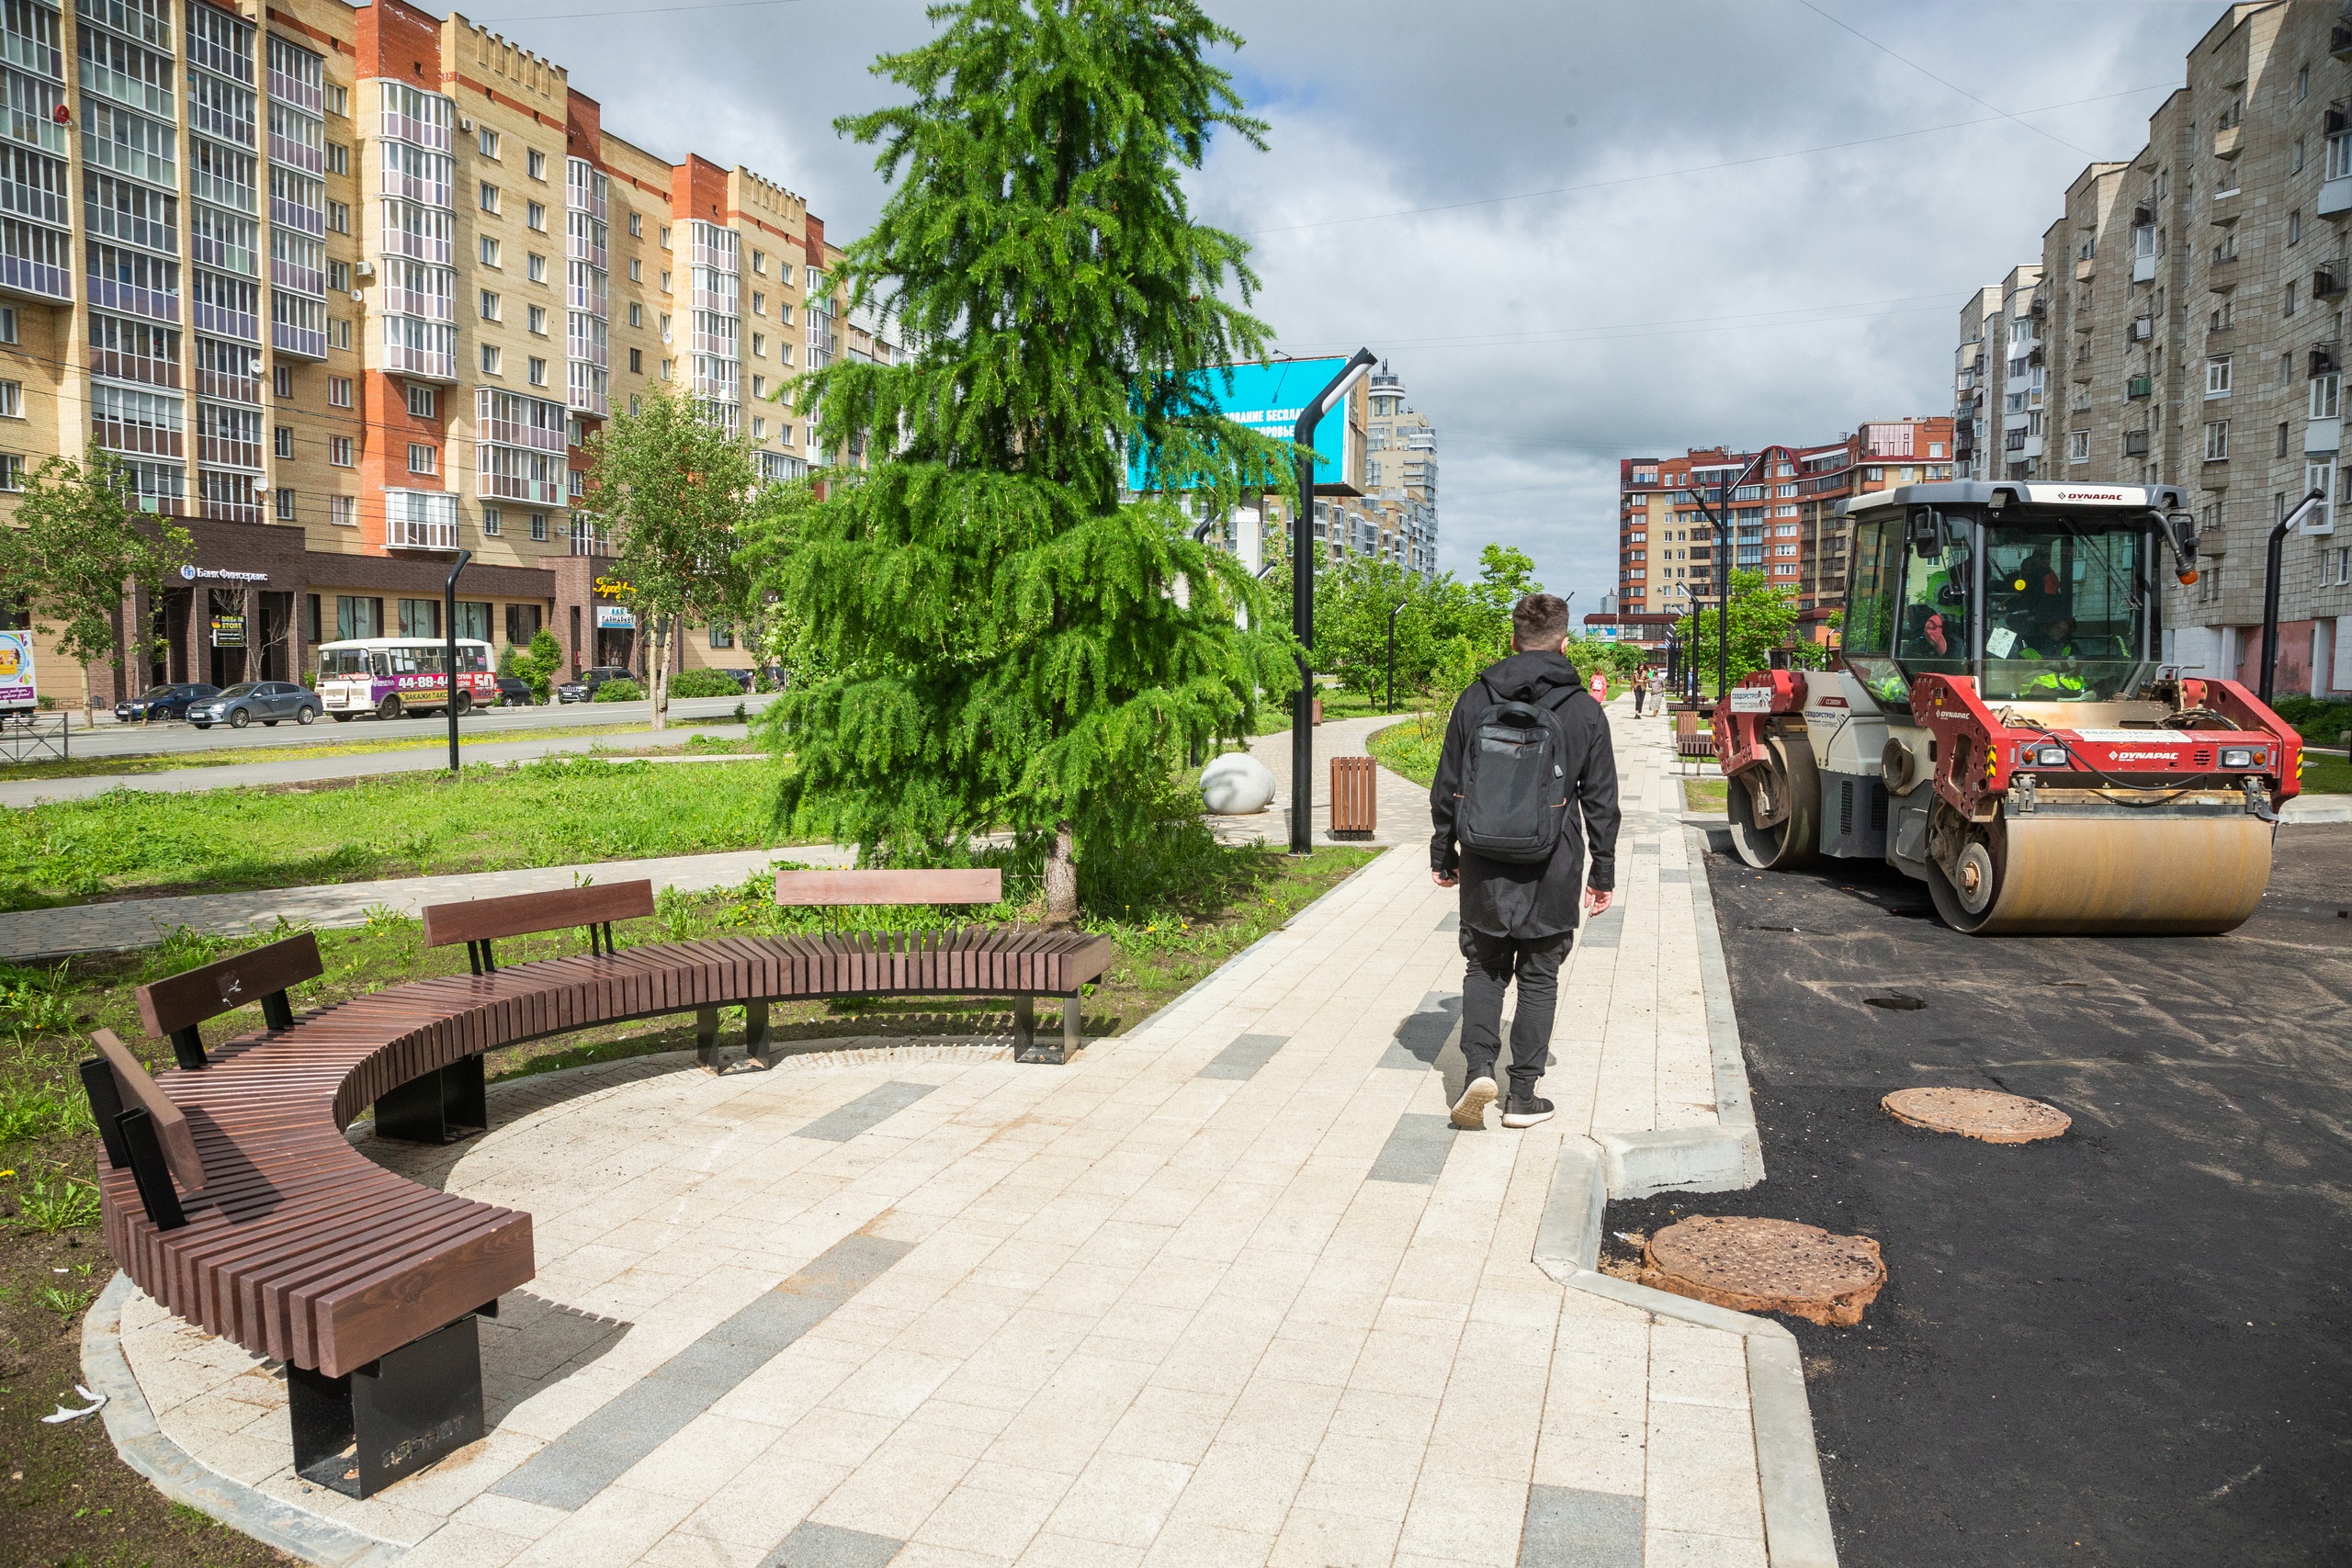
<point>301,1248</point>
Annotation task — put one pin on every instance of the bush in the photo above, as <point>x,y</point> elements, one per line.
<point>539,663</point>
<point>621,690</point>
<point>702,684</point>
<point>2317,719</point>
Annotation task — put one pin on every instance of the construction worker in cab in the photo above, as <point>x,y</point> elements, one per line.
<point>2055,640</point>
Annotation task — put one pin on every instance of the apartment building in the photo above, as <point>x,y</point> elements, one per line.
<point>1400,476</point>
<point>1975,411</point>
<point>2193,295</point>
<point>348,289</point>
<point>1783,520</point>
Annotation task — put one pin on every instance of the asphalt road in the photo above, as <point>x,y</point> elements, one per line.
<point>2132,1346</point>
<point>111,740</point>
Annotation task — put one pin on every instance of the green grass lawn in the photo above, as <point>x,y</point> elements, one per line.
<point>1410,749</point>
<point>634,737</point>
<point>67,1499</point>
<point>2326,773</point>
<point>551,812</point>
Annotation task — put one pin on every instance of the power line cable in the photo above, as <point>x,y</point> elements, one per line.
<point>1931,77</point>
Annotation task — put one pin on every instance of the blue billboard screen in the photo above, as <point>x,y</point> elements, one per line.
<point>1269,399</point>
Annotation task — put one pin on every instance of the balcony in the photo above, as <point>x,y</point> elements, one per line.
<point>116,366</point>
<point>137,440</point>
<point>242,326</point>
<point>36,279</point>
<point>415,533</point>
<point>2229,141</point>
<point>422,364</point>
<point>2140,387</point>
<point>2327,283</point>
<point>303,343</point>
<point>430,134</point>
<point>311,221</point>
<point>226,388</point>
<point>2135,443</point>
<point>302,94</point>
<point>107,294</point>
<point>227,453</point>
<point>2213,539</point>
<point>2085,269</point>
<point>2322,438</point>
<point>2144,328</point>
<point>2143,269</point>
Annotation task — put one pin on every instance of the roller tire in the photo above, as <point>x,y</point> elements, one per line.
<point>1795,839</point>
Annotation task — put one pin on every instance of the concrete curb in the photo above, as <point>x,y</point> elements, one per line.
<point>2316,809</point>
<point>130,1423</point>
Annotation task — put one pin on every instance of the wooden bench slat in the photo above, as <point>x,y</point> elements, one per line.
<point>171,1124</point>
<point>527,914</point>
<point>844,887</point>
<point>188,999</point>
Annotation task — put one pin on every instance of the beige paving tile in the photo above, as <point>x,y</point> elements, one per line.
<point>1120,1499</point>
<point>1312,1538</point>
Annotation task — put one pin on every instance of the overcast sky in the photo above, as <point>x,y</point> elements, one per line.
<point>1656,304</point>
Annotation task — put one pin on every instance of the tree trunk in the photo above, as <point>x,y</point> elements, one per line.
<point>660,684</point>
<point>89,703</point>
<point>1061,880</point>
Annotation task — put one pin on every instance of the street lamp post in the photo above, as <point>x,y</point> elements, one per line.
<point>1302,604</point>
<point>1392,655</point>
<point>449,649</point>
<point>1721,527</point>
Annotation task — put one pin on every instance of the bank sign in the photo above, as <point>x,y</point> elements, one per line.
<point>1269,399</point>
<point>17,671</point>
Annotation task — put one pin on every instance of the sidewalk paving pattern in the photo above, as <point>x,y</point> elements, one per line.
<point>1225,1290</point>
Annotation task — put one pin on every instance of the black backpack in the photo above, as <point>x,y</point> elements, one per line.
<point>1515,783</point>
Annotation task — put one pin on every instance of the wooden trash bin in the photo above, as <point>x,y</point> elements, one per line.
<point>1355,807</point>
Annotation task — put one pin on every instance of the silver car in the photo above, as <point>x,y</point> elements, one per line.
<point>268,701</point>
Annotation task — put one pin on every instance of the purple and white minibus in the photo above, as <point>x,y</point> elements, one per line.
<point>389,676</point>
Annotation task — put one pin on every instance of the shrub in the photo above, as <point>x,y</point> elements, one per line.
<point>702,684</point>
<point>70,1205</point>
<point>2317,719</point>
<point>539,664</point>
<point>620,690</point>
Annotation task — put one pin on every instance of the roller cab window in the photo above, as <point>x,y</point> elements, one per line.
<point>1868,637</point>
<point>2065,612</point>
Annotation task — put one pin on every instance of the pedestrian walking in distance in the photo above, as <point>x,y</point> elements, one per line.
<point>1641,689</point>
<point>1526,784</point>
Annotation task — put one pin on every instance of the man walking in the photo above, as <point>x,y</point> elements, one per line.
<point>1528,720</point>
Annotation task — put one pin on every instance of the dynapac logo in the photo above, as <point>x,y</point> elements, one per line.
<point>2143,756</point>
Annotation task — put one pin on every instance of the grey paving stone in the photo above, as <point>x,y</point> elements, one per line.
<point>1603,931</point>
<point>1670,878</point>
<point>1571,1528</point>
<point>1416,1150</point>
<point>812,1545</point>
<point>607,1441</point>
<point>1453,921</point>
<point>1424,1031</point>
<point>1244,1056</point>
<point>863,1113</point>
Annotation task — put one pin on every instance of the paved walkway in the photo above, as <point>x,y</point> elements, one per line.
<point>1403,806</point>
<point>29,935</point>
<point>426,757</point>
<point>1225,1291</point>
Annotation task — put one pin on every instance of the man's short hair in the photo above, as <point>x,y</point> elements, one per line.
<point>1538,620</point>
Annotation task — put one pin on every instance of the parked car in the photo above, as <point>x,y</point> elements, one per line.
<point>162,702</point>
<point>582,688</point>
<point>514,691</point>
<point>742,679</point>
<point>268,701</point>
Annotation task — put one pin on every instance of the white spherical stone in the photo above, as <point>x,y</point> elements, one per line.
<point>1237,785</point>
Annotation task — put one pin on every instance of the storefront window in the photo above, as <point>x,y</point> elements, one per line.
<point>356,618</point>
<point>420,617</point>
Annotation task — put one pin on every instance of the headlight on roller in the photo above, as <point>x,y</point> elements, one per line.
<point>2244,756</point>
<point>2042,756</point>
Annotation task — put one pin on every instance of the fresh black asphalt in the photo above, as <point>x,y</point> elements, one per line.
<point>2132,1346</point>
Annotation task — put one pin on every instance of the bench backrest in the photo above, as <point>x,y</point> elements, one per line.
<point>1685,726</point>
<point>139,1092</point>
<point>890,887</point>
<point>526,914</point>
<point>171,1009</point>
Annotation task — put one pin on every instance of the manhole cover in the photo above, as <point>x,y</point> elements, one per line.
<point>1897,1003</point>
<point>1766,1266</point>
<point>1983,1113</point>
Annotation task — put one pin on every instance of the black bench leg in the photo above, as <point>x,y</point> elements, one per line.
<point>439,1107</point>
<point>360,1433</point>
<point>706,1036</point>
<point>1027,1047</point>
<point>759,1039</point>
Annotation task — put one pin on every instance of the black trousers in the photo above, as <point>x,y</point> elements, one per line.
<point>1494,963</point>
<point>1638,693</point>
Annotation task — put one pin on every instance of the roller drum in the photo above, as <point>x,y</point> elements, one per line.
<point>2149,875</point>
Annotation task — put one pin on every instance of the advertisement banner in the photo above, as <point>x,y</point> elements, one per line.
<point>1269,399</point>
<point>17,671</point>
<point>611,617</point>
<point>228,631</point>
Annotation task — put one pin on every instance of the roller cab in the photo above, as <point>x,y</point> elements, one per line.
<point>2000,726</point>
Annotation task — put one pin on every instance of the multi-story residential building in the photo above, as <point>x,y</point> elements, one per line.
<point>1400,476</point>
<point>1781,519</point>
<point>2194,294</point>
<point>349,289</point>
<point>1975,412</point>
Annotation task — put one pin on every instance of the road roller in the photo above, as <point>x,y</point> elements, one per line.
<point>2001,723</point>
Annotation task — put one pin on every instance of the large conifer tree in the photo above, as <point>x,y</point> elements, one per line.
<point>999,640</point>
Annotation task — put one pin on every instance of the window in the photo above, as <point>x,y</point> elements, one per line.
<point>535,214</point>
<point>759,263</point>
<point>2323,396</point>
<point>343,510</point>
<point>2217,375</point>
<point>424,402</point>
<point>490,359</point>
<point>2303,83</point>
<point>338,332</point>
<point>339,276</point>
<point>2339,155</point>
<point>537,319</point>
<point>2278,446</point>
<point>2294,226</point>
<point>8,323</point>
<point>2288,307</point>
<point>721,635</point>
<point>664,240</point>
<point>339,217</point>
<point>488,196</point>
<point>2217,441</point>
<point>2295,157</point>
<point>281,441</point>
<point>423,458</point>
<point>664,329</point>
<point>635,272</point>
<point>2225,315</point>
<point>636,363</point>
<point>758,386</point>
<point>489,142</point>
<point>337,100</point>
<point>536,268</point>
<point>12,399</point>
<point>284,504</point>
<point>2078,447</point>
<point>633,405</point>
<point>489,251</point>
<point>538,372</point>
<point>12,472</point>
<point>636,315</point>
<point>665,283</point>
<point>282,380</point>
<point>488,306</point>
<point>759,344</point>
<point>356,618</point>
<point>636,226</point>
<point>338,158</point>
<point>490,523</point>
<point>759,304</point>
<point>339,451</point>
<point>420,617</point>
<point>538,525</point>
<point>759,429</point>
<point>534,163</point>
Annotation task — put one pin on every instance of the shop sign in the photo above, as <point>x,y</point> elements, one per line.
<point>612,618</point>
<point>614,587</point>
<point>17,671</point>
<point>219,574</point>
<point>228,631</point>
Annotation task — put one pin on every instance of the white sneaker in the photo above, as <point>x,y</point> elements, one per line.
<point>1470,1111</point>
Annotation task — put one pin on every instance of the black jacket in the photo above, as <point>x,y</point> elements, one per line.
<point>1526,901</point>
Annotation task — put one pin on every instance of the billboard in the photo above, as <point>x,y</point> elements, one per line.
<point>17,671</point>
<point>1269,399</point>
